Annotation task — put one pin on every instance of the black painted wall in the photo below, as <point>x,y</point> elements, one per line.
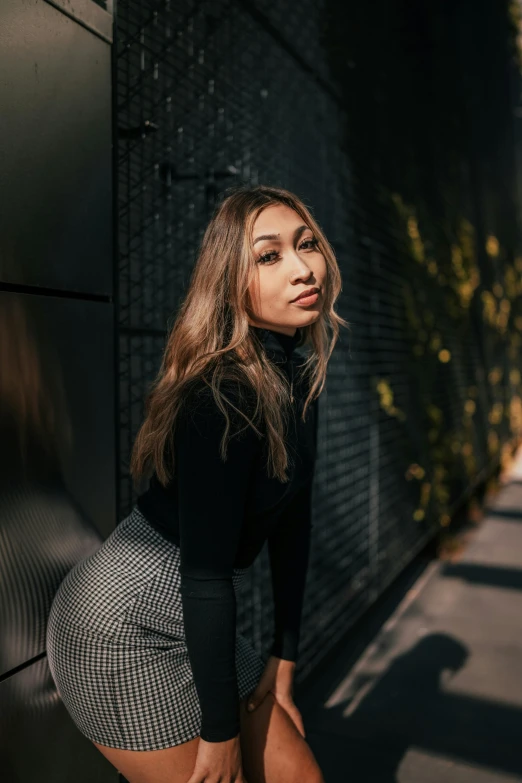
<point>57,358</point>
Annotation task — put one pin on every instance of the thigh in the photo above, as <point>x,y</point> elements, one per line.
<point>171,765</point>
<point>273,749</point>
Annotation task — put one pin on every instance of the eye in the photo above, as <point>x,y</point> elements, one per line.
<point>265,258</point>
<point>313,241</point>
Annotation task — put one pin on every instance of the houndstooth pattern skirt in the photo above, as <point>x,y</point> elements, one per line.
<point>116,645</point>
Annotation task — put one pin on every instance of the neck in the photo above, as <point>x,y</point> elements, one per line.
<point>277,344</point>
<point>289,331</point>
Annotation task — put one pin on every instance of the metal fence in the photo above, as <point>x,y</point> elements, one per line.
<point>386,121</point>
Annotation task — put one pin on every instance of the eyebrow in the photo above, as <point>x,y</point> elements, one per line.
<point>297,233</point>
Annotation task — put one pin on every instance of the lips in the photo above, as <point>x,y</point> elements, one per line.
<point>308,292</point>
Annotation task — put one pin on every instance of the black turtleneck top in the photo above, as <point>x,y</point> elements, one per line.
<point>220,513</point>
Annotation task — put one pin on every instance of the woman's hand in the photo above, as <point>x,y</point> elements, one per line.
<point>278,678</point>
<point>216,761</point>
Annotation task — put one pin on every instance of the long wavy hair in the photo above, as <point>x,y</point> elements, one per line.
<point>210,340</point>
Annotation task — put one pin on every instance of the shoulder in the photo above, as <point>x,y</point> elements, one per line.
<point>207,412</point>
<point>199,394</point>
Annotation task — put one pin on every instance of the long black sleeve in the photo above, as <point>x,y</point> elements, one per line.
<point>289,550</point>
<point>211,498</point>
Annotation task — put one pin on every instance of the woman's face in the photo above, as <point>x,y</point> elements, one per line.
<point>288,263</point>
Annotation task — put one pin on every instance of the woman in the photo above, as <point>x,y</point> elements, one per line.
<point>142,639</point>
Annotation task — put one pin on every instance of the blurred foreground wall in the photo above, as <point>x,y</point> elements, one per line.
<point>398,123</point>
<point>57,424</point>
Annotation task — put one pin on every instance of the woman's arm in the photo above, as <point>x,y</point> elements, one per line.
<point>289,549</point>
<point>289,552</point>
<point>211,496</point>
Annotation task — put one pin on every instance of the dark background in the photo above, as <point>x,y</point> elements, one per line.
<point>398,123</point>
<point>58,375</point>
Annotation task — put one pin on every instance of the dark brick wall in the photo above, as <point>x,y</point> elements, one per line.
<point>397,122</point>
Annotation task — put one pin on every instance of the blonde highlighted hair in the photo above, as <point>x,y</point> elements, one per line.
<point>210,340</point>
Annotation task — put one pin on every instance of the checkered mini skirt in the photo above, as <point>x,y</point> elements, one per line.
<point>116,645</point>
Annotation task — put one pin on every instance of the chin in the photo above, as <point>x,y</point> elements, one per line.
<point>308,317</point>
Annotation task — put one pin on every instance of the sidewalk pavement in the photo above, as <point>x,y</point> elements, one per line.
<point>437,696</point>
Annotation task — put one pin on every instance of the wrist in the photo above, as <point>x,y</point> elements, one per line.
<point>282,674</point>
<point>219,733</point>
<point>285,646</point>
<point>282,662</point>
<point>235,738</point>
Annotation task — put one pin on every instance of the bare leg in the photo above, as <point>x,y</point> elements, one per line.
<point>272,748</point>
<point>172,765</point>
<point>273,751</point>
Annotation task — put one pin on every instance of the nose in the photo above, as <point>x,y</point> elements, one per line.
<point>301,270</point>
